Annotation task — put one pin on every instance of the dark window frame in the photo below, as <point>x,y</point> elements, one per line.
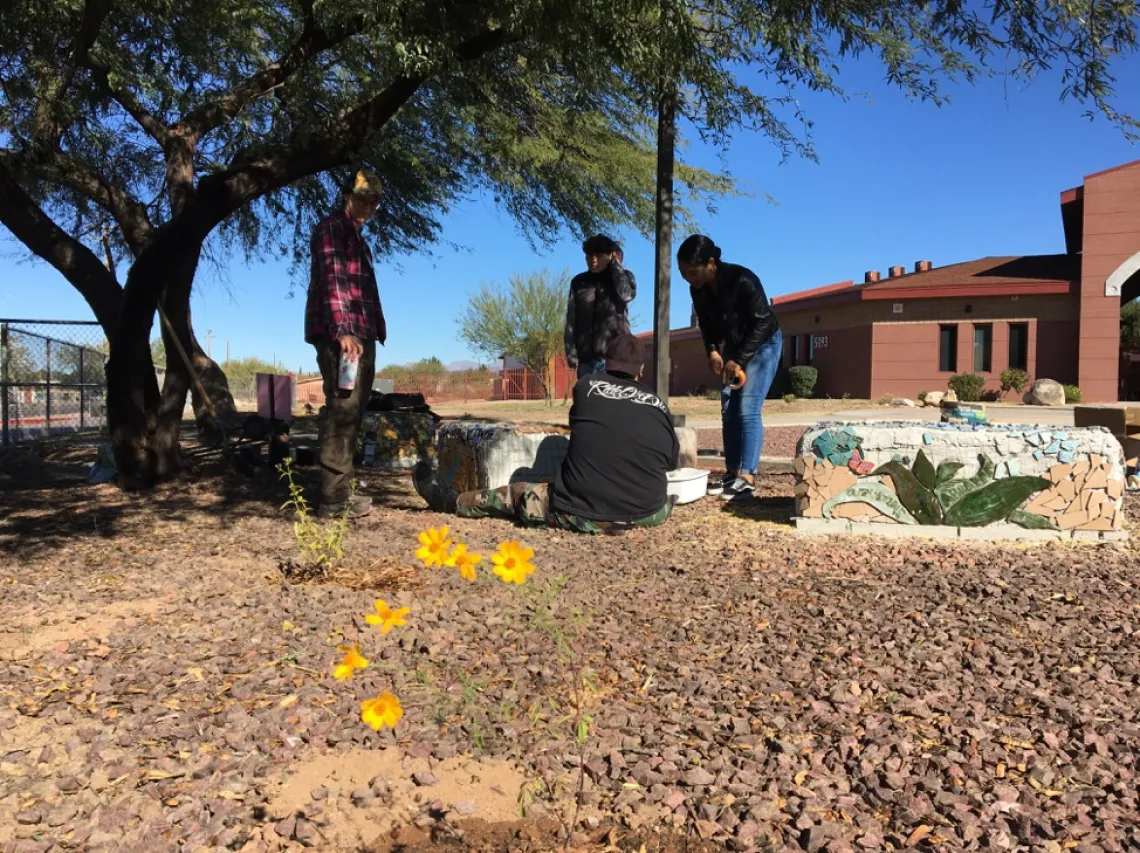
<point>948,332</point>
<point>1019,359</point>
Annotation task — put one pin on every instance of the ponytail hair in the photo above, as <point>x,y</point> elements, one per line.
<point>698,250</point>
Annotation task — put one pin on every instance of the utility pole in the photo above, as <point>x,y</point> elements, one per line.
<point>666,139</point>
<point>227,352</point>
<point>209,339</point>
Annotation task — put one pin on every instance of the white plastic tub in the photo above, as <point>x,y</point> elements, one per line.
<point>688,484</point>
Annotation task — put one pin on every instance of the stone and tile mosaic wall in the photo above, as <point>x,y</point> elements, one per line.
<point>961,476</point>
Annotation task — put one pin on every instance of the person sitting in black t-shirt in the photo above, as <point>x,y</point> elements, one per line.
<point>622,446</point>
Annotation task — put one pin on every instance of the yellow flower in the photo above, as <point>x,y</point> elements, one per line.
<point>351,662</point>
<point>435,544</point>
<point>512,562</point>
<point>384,710</point>
<point>387,618</point>
<point>466,563</point>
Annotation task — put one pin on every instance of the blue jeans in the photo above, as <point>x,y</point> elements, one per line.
<point>588,366</point>
<point>741,424</point>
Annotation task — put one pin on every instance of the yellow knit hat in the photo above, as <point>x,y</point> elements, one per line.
<point>366,183</point>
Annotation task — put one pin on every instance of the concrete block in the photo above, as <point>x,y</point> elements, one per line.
<point>904,531</point>
<point>483,455</point>
<point>1011,533</point>
<point>687,438</point>
<point>823,526</point>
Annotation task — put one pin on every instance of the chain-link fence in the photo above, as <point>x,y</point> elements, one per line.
<point>52,378</point>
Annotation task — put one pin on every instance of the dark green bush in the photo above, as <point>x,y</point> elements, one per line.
<point>803,378</point>
<point>968,386</point>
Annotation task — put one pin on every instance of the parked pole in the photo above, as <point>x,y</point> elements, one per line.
<point>666,137</point>
<point>4,382</point>
<point>47,391</point>
<point>82,389</point>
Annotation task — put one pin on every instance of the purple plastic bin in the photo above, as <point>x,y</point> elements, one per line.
<point>275,396</point>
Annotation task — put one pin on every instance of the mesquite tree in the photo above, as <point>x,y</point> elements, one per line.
<point>185,124</point>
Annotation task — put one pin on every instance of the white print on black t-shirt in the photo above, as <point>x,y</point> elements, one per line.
<point>624,392</point>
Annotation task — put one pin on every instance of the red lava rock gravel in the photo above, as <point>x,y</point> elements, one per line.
<point>779,441</point>
<point>160,678</point>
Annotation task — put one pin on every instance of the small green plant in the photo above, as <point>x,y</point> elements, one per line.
<point>1072,394</point>
<point>886,400</point>
<point>789,398</point>
<point>968,386</point>
<point>1013,379</point>
<point>922,396</point>
<point>321,548</point>
<point>802,378</point>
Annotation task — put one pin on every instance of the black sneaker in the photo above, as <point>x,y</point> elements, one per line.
<point>738,490</point>
<point>716,487</point>
<point>438,497</point>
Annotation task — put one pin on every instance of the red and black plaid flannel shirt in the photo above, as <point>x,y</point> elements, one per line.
<point>343,297</point>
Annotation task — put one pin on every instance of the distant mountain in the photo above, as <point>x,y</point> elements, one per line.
<point>462,364</point>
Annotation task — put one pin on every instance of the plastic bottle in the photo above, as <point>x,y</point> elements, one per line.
<point>346,375</point>
<point>370,449</point>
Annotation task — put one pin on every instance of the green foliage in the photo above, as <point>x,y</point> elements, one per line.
<point>802,378</point>
<point>158,352</point>
<point>968,386</point>
<point>790,398</point>
<point>1130,326</point>
<point>524,320</point>
<point>1013,380</point>
<point>321,548</point>
<point>1072,394</point>
<point>886,400</point>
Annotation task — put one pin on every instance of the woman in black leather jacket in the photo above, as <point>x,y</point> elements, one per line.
<point>743,341</point>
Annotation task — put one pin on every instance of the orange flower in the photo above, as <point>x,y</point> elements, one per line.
<point>512,562</point>
<point>387,618</point>
<point>384,710</point>
<point>466,563</point>
<point>434,546</point>
<point>351,662</point>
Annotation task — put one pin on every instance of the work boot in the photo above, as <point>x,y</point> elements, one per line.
<point>357,506</point>
<point>438,496</point>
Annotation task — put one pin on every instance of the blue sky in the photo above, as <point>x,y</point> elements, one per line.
<point>897,182</point>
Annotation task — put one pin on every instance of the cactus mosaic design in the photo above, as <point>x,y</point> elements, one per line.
<point>961,475</point>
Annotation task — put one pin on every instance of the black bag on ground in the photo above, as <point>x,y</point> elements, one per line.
<point>379,402</point>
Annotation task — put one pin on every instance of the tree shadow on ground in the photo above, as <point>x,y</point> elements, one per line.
<point>770,508</point>
<point>48,507</point>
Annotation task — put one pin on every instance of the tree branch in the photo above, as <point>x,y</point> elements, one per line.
<point>101,71</point>
<point>59,168</point>
<point>34,228</point>
<point>314,40</point>
<point>252,176</point>
<point>48,128</point>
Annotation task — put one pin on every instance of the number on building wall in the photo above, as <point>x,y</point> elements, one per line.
<point>819,342</point>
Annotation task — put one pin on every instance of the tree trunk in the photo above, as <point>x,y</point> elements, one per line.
<point>144,423</point>
<point>178,379</point>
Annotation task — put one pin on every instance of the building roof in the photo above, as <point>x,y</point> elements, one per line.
<point>1012,275</point>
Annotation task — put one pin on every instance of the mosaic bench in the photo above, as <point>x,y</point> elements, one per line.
<point>401,439</point>
<point>976,481</point>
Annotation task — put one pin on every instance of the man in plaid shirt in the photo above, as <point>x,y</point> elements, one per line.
<point>343,319</point>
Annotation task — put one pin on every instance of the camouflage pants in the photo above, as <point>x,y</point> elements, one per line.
<point>530,504</point>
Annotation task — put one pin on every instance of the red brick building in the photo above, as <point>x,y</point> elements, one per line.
<point>1054,316</point>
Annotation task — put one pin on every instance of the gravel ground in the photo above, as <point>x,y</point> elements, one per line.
<point>164,687</point>
<point>779,441</point>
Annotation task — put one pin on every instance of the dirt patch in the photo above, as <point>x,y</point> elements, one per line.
<point>72,625</point>
<point>362,795</point>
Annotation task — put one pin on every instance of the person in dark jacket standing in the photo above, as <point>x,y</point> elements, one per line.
<point>743,342</point>
<point>344,319</point>
<point>598,308</point>
<point>615,474</point>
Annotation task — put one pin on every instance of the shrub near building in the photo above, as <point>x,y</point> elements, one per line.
<point>968,386</point>
<point>802,379</point>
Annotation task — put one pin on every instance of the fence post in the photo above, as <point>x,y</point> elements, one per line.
<point>82,388</point>
<point>4,382</point>
<point>47,386</point>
